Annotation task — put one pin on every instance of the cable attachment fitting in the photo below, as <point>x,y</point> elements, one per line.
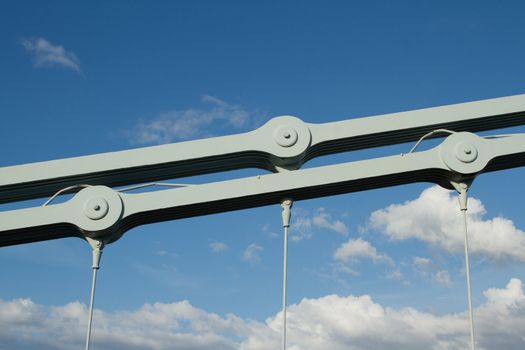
<point>97,246</point>
<point>286,204</point>
<point>462,189</point>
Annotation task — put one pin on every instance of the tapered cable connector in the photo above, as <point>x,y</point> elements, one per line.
<point>97,254</point>
<point>287,204</point>
<point>462,189</point>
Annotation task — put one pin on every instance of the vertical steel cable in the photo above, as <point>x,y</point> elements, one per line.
<point>463,198</point>
<point>469,290</point>
<point>285,268</point>
<point>286,205</point>
<point>91,303</point>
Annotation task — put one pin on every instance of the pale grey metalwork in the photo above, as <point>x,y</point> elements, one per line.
<point>101,214</point>
<point>450,161</point>
<point>267,148</point>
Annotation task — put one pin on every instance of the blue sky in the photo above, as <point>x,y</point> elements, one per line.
<point>89,77</point>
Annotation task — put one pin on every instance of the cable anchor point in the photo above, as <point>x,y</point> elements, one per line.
<point>97,246</point>
<point>462,188</point>
<point>286,204</point>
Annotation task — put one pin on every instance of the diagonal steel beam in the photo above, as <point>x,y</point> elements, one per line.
<point>282,142</point>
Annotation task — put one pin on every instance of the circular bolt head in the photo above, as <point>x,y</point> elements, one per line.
<point>285,136</point>
<point>96,208</point>
<point>466,152</point>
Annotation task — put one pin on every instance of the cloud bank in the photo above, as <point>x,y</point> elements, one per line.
<point>330,322</point>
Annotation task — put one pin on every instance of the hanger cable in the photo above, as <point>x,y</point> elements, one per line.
<point>463,198</point>
<point>286,205</point>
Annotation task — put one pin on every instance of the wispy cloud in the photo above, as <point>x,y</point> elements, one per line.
<point>324,220</point>
<point>426,268</point>
<point>218,247</point>
<point>47,55</point>
<point>214,117</point>
<point>252,253</point>
<point>329,322</point>
<point>434,218</point>
<point>303,223</point>
<point>443,277</point>
<point>421,262</point>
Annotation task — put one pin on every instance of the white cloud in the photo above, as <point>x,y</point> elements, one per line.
<point>218,247</point>
<point>252,253</point>
<point>396,274</point>
<point>46,54</point>
<point>419,261</point>
<point>267,229</point>
<point>346,269</point>
<point>434,218</point>
<point>25,325</point>
<point>191,123</point>
<point>355,249</point>
<point>512,295</point>
<point>427,268</point>
<point>443,277</point>
<point>331,322</point>
<point>324,220</point>
<point>301,226</point>
<point>303,223</point>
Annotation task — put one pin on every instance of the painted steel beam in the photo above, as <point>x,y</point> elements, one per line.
<point>100,211</point>
<point>283,142</point>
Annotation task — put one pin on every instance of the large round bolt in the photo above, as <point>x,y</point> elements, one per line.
<point>96,208</point>
<point>285,136</point>
<point>466,152</point>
